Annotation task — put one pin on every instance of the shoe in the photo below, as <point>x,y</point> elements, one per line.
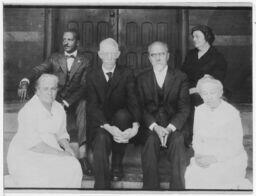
<point>86,166</point>
<point>117,174</point>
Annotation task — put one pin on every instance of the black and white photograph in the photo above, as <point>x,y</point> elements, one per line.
<point>128,98</point>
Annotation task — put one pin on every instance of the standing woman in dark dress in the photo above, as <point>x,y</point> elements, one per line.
<point>203,60</point>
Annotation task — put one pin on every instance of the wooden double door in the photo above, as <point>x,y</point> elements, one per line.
<point>133,29</point>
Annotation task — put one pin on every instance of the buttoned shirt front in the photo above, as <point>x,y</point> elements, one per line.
<point>70,61</point>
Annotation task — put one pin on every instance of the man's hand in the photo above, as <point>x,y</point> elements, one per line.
<point>162,134</point>
<point>22,91</point>
<point>205,160</point>
<point>115,132</point>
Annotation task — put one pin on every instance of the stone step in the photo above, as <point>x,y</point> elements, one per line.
<point>132,160</point>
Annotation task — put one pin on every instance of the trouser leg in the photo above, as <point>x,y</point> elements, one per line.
<point>101,151</point>
<point>150,158</point>
<point>176,154</point>
<point>123,120</point>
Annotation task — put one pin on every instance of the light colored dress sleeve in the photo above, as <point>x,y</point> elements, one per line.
<point>62,133</point>
<point>233,142</point>
<point>196,137</point>
<point>28,128</point>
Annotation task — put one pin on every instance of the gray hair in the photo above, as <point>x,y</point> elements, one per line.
<point>158,43</point>
<point>46,76</point>
<point>109,41</point>
<point>209,79</point>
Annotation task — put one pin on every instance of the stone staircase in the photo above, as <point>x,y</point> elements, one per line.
<point>132,179</point>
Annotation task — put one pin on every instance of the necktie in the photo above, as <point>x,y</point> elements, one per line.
<point>109,74</point>
<point>70,60</point>
<point>70,56</point>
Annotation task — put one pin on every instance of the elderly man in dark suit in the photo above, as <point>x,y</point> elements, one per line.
<point>70,67</point>
<point>164,97</point>
<point>112,113</point>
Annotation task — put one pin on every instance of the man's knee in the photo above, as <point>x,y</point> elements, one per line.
<point>177,138</point>
<point>122,119</point>
<point>102,138</point>
<point>153,140</point>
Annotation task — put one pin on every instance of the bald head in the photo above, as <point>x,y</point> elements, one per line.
<point>158,44</point>
<point>109,43</point>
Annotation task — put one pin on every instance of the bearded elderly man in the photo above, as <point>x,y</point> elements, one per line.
<point>70,67</point>
<point>112,113</point>
<point>164,98</point>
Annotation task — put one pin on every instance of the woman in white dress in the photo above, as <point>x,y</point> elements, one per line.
<point>220,160</point>
<point>39,155</point>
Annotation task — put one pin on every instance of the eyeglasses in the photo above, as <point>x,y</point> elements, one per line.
<point>154,55</point>
<point>109,54</point>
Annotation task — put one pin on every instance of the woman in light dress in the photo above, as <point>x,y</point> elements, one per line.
<point>39,155</point>
<point>220,160</point>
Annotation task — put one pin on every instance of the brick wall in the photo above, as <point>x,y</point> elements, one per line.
<point>23,45</point>
<point>233,30</point>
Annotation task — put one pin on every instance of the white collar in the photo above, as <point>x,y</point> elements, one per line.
<point>164,70</point>
<point>106,70</point>
<point>69,54</point>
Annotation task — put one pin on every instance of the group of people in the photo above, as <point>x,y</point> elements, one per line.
<point>159,103</point>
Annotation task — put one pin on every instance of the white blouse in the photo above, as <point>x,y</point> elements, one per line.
<point>37,124</point>
<point>218,132</point>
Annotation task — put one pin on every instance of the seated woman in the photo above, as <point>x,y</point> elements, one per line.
<point>220,160</point>
<point>39,155</point>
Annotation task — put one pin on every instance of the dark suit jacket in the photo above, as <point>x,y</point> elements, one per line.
<point>176,97</point>
<point>212,63</point>
<point>70,88</point>
<point>104,100</point>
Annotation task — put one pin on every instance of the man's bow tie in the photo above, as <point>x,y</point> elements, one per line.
<point>70,56</point>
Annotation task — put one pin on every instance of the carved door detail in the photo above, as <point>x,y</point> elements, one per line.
<point>134,30</point>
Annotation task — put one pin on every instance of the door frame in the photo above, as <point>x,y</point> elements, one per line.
<point>51,31</point>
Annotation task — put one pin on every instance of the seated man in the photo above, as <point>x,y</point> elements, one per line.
<point>70,66</point>
<point>112,113</point>
<point>39,155</point>
<point>164,98</point>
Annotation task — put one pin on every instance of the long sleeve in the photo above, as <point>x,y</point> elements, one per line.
<point>94,108</point>
<point>219,67</point>
<point>196,137</point>
<point>183,107</point>
<point>232,144</point>
<point>62,133</point>
<point>132,98</point>
<point>38,70</point>
<point>27,122</point>
<point>81,91</point>
<point>147,118</point>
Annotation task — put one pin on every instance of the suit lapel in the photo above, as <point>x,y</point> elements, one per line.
<point>63,64</point>
<point>115,80</point>
<point>168,82</point>
<point>75,66</point>
<point>100,83</point>
<point>151,85</point>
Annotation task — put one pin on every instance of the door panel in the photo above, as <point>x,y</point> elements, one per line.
<point>93,25</point>
<point>140,27</point>
<point>134,30</point>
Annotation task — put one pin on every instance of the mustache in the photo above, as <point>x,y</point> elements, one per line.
<point>65,45</point>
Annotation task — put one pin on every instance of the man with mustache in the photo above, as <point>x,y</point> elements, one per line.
<point>70,67</point>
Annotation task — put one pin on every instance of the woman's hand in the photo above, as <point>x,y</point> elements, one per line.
<point>70,151</point>
<point>63,153</point>
<point>192,90</point>
<point>205,160</point>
